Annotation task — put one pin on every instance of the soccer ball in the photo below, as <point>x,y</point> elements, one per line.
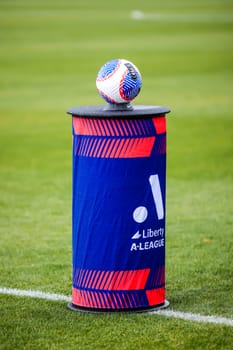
<point>118,81</point>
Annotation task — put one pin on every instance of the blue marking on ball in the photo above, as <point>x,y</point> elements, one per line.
<point>108,69</point>
<point>131,86</point>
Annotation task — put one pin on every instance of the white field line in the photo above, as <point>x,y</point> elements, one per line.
<point>182,17</point>
<point>34,294</point>
<point>188,316</point>
<point>169,313</point>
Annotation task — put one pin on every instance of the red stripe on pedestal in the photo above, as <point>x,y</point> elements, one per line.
<point>156,296</point>
<point>160,124</point>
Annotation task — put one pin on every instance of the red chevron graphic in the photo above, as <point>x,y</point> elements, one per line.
<point>113,127</point>
<point>111,280</point>
<point>114,148</point>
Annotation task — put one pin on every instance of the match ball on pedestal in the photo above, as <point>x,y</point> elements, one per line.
<point>118,81</point>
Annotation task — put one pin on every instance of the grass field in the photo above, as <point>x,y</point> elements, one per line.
<point>50,53</point>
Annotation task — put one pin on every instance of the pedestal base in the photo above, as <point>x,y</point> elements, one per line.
<point>76,308</point>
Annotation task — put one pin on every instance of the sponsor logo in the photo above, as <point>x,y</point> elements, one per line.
<point>147,239</point>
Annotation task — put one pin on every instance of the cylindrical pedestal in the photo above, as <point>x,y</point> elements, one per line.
<point>119,182</point>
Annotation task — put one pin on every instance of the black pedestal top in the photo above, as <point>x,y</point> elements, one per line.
<point>120,110</point>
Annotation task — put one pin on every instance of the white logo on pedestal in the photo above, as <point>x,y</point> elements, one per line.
<point>140,215</point>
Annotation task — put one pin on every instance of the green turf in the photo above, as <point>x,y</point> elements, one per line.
<point>50,52</point>
<point>46,325</point>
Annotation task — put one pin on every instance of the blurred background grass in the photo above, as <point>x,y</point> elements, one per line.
<point>50,53</point>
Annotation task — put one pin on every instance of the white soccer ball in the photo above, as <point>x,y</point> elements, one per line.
<point>118,81</point>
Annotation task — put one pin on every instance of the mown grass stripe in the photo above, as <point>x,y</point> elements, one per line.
<point>187,316</point>
<point>183,17</point>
